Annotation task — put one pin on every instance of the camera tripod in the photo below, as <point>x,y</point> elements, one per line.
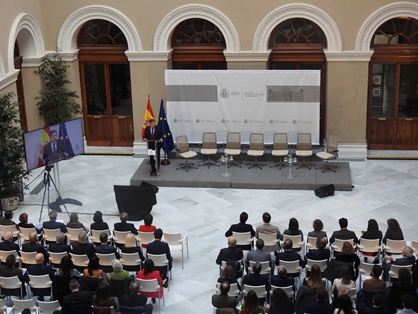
<point>47,182</point>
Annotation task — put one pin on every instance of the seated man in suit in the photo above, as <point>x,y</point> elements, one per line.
<point>135,299</point>
<point>35,246</point>
<point>343,233</point>
<point>53,223</point>
<point>407,258</point>
<point>259,255</point>
<point>123,225</point>
<point>320,253</point>
<point>82,246</point>
<point>222,301</point>
<point>7,219</point>
<point>374,283</point>
<point>321,306</point>
<point>377,306</point>
<point>40,269</point>
<point>256,279</point>
<point>282,279</point>
<point>231,255</point>
<point>59,246</point>
<point>105,248</point>
<point>9,270</point>
<point>158,247</point>
<point>9,244</point>
<point>78,301</point>
<point>266,227</point>
<point>242,226</point>
<point>288,255</point>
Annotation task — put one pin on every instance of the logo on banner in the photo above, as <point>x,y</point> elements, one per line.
<point>224,93</point>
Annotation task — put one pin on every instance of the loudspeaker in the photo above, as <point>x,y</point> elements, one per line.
<point>144,183</point>
<point>326,190</point>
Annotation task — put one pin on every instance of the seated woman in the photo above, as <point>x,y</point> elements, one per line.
<point>293,230</point>
<point>23,218</point>
<point>345,306</point>
<point>67,268</point>
<point>371,233</point>
<point>93,269</point>
<point>251,305</point>
<point>280,303</point>
<point>104,298</point>
<point>149,272</point>
<point>147,226</point>
<point>342,286</point>
<point>394,231</point>
<point>318,230</point>
<point>315,278</point>
<point>98,223</point>
<point>399,288</point>
<point>130,246</point>
<point>75,224</point>
<point>228,275</point>
<point>348,256</point>
<point>118,273</point>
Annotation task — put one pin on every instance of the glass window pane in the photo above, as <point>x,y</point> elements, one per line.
<point>408,91</point>
<point>120,89</point>
<point>95,89</point>
<point>383,90</point>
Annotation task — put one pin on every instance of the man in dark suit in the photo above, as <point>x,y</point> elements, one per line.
<point>59,246</point>
<point>377,306</point>
<point>320,253</point>
<point>343,233</point>
<point>34,246</point>
<point>231,253</point>
<point>105,248</point>
<point>82,246</point>
<point>154,136</point>
<point>256,279</point>
<point>288,255</point>
<point>40,269</point>
<point>223,300</point>
<point>158,247</point>
<point>53,223</point>
<point>54,146</point>
<point>321,306</point>
<point>407,258</point>
<point>123,225</point>
<point>135,299</point>
<point>7,219</point>
<point>9,270</point>
<point>242,226</point>
<point>282,279</point>
<point>9,244</point>
<point>77,302</point>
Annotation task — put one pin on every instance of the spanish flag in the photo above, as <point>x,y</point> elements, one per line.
<point>147,116</point>
<point>44,140</point>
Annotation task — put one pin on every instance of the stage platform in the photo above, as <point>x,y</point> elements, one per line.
<point>244,178</point>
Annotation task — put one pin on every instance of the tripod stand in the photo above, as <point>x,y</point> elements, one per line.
<point>47,182</point>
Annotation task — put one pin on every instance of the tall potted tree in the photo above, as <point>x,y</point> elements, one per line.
<point>12,152</point>
<point>56,104</point>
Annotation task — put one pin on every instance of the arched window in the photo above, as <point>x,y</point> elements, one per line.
<point>198,44</point>
<point>106,84</point>
<point>298,44</point>
<point>393,86</point>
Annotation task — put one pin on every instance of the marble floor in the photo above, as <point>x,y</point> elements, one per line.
<point>382,189</point>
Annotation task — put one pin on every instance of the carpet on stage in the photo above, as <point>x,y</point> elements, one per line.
<point>244,178</point>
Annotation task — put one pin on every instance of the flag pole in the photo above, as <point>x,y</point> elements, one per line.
<point>165,161</point>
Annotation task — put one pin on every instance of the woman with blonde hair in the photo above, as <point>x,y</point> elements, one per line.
<point>130,246</point>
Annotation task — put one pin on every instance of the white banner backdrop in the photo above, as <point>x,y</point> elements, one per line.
<point>243,101</point>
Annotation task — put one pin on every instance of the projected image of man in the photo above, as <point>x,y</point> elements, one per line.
<point>154,137</point>
<point>54,147</point>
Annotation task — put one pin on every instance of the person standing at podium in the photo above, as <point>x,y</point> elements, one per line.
<point>153,135</point>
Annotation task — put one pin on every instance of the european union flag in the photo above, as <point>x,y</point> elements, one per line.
<point>63,136</point>
<point>168,142</point>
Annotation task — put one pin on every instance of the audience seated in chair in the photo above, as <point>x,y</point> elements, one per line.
<point>9,270</point>
<point>40,269</point>
<point>223,300</point>
<point>293,230</point>
<point>77,302</point>
<point>118,273</point>
<point>82,246</point>
<point>321,251</point>
<point>53,223</point>
<point>135,298</point>
<point>371,302</point>
<point>399,288</point>
<point>266,227</point>
<point>259,255</point>
<point>242,226</point>
<point>59,246</point>
<point>280,303</point>
<point>288,255</point>
<point>147,226</point>
<point>345,305</point>
<point>256,279</point>
<point>407,258</point>
<point>318,231</point>
<point>343,233</point>
<point>35,246</point>
<point>282,279</point>
<point>321,305</point>
<point>374,283</point>
<point>123,225</point>
<point>342,285</point>
<point>9,243</point>
<point>103,296</point>
<point>104,247</point>
<point>228,275</point>
<point>347,255</point>
<point>98,223</point>
<point>159,247</point>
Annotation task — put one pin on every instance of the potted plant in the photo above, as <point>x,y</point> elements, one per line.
<point>12,152</point>
<point>56,104</point>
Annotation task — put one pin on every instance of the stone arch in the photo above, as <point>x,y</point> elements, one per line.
<point>67,37</point>
<point>26,30</point>
<point>380,16</point>
<point>297,10</point>
<point>171,20</point>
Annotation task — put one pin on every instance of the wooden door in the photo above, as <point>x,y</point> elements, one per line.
<point>107,104</point>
